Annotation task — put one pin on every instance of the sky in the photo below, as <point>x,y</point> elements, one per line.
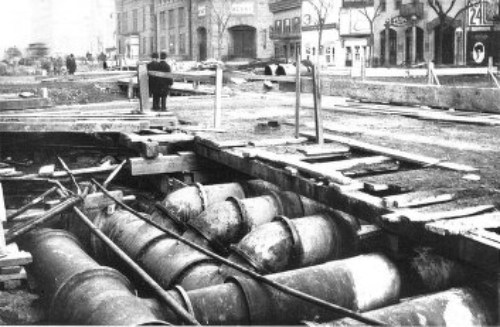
<point>15,23</point>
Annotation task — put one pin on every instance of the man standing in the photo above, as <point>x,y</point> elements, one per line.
<point>164,83</point>
<point>71,64</point>
<point>153,81</point>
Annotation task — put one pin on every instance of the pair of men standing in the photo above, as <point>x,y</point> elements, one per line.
<point>159,86</point>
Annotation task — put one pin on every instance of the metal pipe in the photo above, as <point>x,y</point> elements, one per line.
<point>20,230</point>
<point>32,203</point>
<point>77,290</point>
<point>257,277</point>
<point>184,316</point>
<point>190,201</point>
<point>162,257</point>
<point>287,244</point>
<point>227,222</point>
<point>348,283</point>
<point>454,307</point>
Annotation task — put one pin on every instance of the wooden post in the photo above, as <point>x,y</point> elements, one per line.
<point>143,80</point>
<point>130,90</point>
<point>297,95</point>
<point>318,121</point>
<point>3,218</point>
<point>218,98</point>
<point>430,66</point>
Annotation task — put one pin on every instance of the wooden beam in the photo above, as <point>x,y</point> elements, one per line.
<point>183,161</point>
<point>143,80</point>
<point>352,163</point>
<point>414,216</point>
<point>418,198</point>
<point>396,154</point>
<point>75,127</point>
<point>85,171</point>
<point>460,226</point>
<point>280,141</point>
<point>100,201</point>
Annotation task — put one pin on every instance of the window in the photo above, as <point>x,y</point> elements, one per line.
<point>171,19</point>
<point>286,26</point>
<point>296,25</point>
<point>124,22</point>
<point>278,27</point>
<point>135,18</point>
<point>398,4</point>
<point>118,23</point>
<point>144,45</point>
<point>171,44</point>
<point>181,17</point>
<point>151,45</point>
<point>163,43</point>
<point>328,53</point>
<point>163,20</point>
<point>382,5</point>
<point>144,18</point>
<point>182,43</point>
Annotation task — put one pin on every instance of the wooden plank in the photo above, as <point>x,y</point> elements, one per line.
<point>16,276</point>
<point>86,171</point>
<point>280,141</point>
<point>75,127</point>
<point>311,169</point>
<point>396,154</point>
<point>21,104</point>
<point>100,201</point>
<point>127,138</point>
<point>143,80</point>
<point>462,225</point>
<point>324,150</point>
<point>20,258</point>
<point>414,199</point>
<point>414,216</point>
<point>3,218</point>
<point>352,163</point>
<point>183,161</point>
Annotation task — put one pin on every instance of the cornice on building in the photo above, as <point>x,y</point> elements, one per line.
<point>282,5</point>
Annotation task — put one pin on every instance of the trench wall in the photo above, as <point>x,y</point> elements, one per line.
<point>464,98</point>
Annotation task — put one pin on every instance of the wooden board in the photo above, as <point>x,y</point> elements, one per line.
<point>280,141</point>
<point>100,201</point>
<point>396,154</point>
<point>352,163</point>
<point>183,161</point>
<point>75,127</point>
<point>323,150</point>
<point>417,199</point>
<point>414,216</point>
<point>462,225</point>
<point>21,104</point>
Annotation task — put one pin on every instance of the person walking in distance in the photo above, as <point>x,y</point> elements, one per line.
<point>153,81</point>
<point>71,64</point>
<point>164,83</point>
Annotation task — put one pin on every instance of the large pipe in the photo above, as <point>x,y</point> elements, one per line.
<point>227,222</point>
<point>287,244</point>
<point>455,307</point>
<point>361,283</point>
<point>167,261</point>
<point>77,289</point>
<point>190,201</point>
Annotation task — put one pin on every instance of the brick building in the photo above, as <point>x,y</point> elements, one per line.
<point>286,29</point>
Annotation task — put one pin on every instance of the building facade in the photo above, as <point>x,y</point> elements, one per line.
<point>286,29</point>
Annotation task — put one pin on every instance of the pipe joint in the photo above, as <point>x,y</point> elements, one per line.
<point>203,196</point>
<point>256,298</point>
<point>297,247</point>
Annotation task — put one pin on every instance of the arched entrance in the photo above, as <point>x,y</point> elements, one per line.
<point>243,41</point>
<point>419,54</point>
<point>444,44</point>
<point>202,43</point>
<point>393,41</point>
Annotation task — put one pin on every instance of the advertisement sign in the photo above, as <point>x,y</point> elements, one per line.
<point>244,8</point>
<point>202,11</point>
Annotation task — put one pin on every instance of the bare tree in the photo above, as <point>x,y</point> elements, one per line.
<point>438,6</point>
<point>221,11</point>
<point>371,17</point>
<point>322,9</point>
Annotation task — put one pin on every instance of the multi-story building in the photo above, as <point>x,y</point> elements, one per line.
<point>286,28</point>
<point>174,28</point>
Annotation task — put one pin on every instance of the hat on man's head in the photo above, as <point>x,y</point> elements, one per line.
<point>154,55</point>
<point>163,55</point>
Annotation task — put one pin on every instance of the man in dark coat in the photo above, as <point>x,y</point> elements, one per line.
<point>71,64</point>
<point>164,84</point>
<point>153,81</point>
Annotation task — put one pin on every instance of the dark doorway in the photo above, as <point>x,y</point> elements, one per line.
<point>447,44</point>
<point>419,56</point>
<point>202,43</point>
<point>393,39</point>
<point>243,41</point>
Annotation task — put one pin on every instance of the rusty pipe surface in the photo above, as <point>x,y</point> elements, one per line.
<point>454,307</point>
<point>167,261</point>
<point>227,222</point>
<point>360,283</point>
<point>190,201</point>
<point>79,291</point>
<point>286,244</point>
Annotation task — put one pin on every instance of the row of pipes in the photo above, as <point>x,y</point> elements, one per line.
<point>295,241</point>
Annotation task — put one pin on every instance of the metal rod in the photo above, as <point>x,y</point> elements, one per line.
<point>301,295</point>
<point>297,95</point>
<point>167,298</point>
<point>70,173</point>
<point>15,233</point>
<point>33,202</point>
<point>113,174</point>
